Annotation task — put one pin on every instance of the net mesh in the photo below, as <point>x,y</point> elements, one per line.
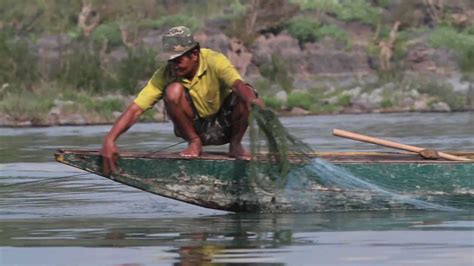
<point>285,166</point>
<point>272,147</point>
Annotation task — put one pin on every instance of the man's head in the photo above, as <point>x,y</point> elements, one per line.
<point>181,51</point>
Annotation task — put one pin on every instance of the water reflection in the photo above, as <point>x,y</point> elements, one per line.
<point>94,221</point>
<point>244,238</point>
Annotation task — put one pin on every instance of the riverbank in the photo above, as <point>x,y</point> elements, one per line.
<point>303,57</point>
<point>158,115</point>
<point>51,106</point>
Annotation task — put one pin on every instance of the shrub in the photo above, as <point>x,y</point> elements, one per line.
<point>333,31</point>
<point>39,16</point>
<point>354,10</point>
<point>469,30</point>
<point>278,71</point>
<point>86,102</point>
<point>82,69</point>
<point>442,91</point>
<point>107,107</point>
<point>303,29</point>
<point>344,100</point>
<point>107,31</point>
<point>358,10</point>
<point>322,5</point>
<point>386,103</point>
<point>299,99</point>
<point>307,30</point>
<point>139,65</point>
<point>459,42</point>
<point>23,104</point>
<point>273,103</point>
<point>262,86</point>
<point>18,63</point>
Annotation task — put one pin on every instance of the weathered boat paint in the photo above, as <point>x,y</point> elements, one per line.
<point>219,182</point>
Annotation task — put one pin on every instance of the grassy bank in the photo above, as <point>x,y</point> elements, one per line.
<point>85,78</point>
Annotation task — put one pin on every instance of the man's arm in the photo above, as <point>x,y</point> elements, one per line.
<point>246,93</point>
<point>109,149</point>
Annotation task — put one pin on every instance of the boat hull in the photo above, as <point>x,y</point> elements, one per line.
<point>218,182</point>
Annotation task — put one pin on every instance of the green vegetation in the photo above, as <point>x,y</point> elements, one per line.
<point>305,30</point>
<point>354,10</point>
<point>386,103</point>
<point>308,30</point>
<point>109,32</point>
<point>462,43</point>
<point>26,105</point>
<point>273,103</point>
<point>300,99</point>
<point>17,67</point>
<point>442,92</point>
<point>344,100</point>
<point>277,70</point>
<point>36,17</point>
<point>84,67</point>
<point>325,108</point>
<point>75,74</point>
<point>138,65</point>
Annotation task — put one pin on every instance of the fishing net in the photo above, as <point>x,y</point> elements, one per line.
<point>272,149</point>
<point>285,166</point>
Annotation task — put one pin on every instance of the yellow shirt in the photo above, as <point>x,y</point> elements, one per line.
<point>208,88</point>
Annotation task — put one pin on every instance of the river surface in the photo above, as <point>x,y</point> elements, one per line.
<point>52,214</point>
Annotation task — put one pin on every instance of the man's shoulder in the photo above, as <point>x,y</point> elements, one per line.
<point>208,52</point>
<point>211,55</point>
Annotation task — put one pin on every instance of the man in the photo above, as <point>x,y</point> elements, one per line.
<point>204,96</point>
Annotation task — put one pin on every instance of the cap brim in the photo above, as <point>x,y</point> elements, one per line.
<point>168,56</point>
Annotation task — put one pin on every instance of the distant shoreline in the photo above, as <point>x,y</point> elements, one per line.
<point>30,124</point>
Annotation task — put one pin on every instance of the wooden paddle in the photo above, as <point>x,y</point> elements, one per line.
<point>422,151</point>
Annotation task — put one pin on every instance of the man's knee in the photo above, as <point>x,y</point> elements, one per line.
<point>174,93</point>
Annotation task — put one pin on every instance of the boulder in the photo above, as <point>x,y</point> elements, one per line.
<point>368,101</point>
<point>282,96</point>
<point>424,59</point>
<point>298,111</point>
<point>353,92</point>
<point>420,105</point>
<point>441,107</point>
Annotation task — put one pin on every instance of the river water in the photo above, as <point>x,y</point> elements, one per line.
<point>52,214</point>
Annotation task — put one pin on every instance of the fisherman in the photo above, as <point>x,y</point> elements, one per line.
<point>204,96</point>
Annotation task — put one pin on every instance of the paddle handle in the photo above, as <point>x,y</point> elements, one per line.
<point>391,144</point>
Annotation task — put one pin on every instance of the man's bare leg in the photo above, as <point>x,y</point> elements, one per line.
<point>240,117</point>
<point>181,113</point>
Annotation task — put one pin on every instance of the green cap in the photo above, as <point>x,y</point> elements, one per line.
<point>177,41</point>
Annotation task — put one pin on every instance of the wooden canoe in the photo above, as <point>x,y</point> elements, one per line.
<point>219,182</point>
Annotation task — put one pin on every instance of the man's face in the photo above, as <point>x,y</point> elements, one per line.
<point>185,65</point>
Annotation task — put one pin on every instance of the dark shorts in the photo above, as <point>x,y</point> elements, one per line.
<point>215,130</point>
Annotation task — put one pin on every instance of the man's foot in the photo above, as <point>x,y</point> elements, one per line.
<point>237,151</point>
<point>194,149</point>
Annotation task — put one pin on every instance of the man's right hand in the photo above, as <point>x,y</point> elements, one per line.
<point>109,149</point>
<point>109,154</point>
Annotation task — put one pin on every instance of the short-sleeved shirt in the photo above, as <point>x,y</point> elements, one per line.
<point>208,88</point>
